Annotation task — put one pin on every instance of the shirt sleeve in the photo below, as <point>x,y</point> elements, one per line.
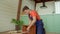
<point>33,14</point>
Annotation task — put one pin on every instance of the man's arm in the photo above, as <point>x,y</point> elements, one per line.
<point>29,21</point>
<point>32,23</point>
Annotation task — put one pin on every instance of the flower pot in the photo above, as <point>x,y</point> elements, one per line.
<point>17,27</point>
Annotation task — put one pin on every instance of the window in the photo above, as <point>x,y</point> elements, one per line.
<point>57,7</point>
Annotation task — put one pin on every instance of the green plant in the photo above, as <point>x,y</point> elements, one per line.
<point>17,22</point>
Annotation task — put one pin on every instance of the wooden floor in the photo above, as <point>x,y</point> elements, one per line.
<point>20,33</point>
<point>15,32</point>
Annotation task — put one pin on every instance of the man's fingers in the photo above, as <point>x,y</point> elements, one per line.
<point>25,32</point>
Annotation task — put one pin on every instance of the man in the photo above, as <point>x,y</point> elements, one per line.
<point>34,19</point>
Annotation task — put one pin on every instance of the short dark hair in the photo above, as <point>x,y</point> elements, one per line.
<point>25,8</point>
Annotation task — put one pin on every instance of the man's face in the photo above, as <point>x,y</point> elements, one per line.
<point>26,11</point>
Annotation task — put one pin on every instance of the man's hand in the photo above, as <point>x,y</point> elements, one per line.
<point>28,29</point>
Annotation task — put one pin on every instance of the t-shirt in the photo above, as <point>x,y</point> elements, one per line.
<point>34,14</point>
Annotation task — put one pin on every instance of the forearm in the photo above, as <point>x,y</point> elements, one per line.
<point>32,23</point>
<point>29,21</point>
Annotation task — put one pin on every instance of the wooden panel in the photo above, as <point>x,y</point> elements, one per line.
<point>32,29</point>
<point>8,11</point>
<point>38,1</point>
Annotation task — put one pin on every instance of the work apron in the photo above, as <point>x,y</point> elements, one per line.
<point>39,26</point>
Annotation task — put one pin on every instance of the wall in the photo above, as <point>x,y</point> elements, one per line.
<point>8,10</point>
<point>51,21</point>
<point>43,11</point>
<point>28,3</point>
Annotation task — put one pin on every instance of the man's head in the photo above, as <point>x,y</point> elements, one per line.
<point>26,9</point>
